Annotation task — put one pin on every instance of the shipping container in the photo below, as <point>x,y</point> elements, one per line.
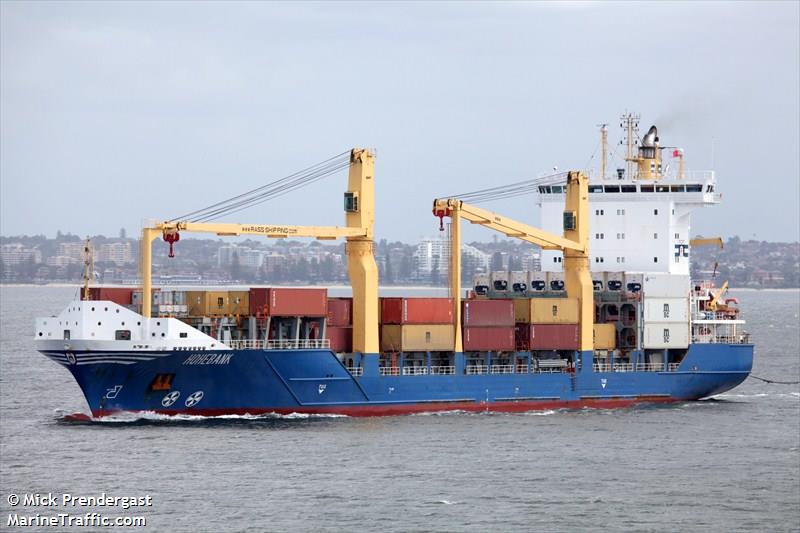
<point>634,282</point>
<point>118,295</point>
<point>666,285</point>
<point>136,297</point>
<point>239,303</point>
<point>605,336</point>
<point>519,281</point>
<point>666,335</point>
<point>417,337</point>
<point>547,336</point>
<point>555,282</point>
<point>340,312</point>
<point>546,310</point>
<point>288,302</point>
<point>537,281</point>
<point>499,280</point>
<point>416,310</point>
<point>484,313</point>
<point>599,281</point>
<point>497,339</point>
<point>481,283</point>
<point>208,303</point>
<point>615,281</point>
<point>666,310</point>
<point>341,339</point>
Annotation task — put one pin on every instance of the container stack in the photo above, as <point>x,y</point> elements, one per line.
<point>546,323</point>
<point>339,328</point>
<point>488,325</point>
<point>666,311</point>
<point>170,303</point>
<point>417,324</point>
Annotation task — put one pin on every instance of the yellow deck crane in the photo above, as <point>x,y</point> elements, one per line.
<point>574,243</point>
<point>358,231</point>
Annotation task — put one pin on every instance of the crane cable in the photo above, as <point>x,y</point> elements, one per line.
<point>510,190</point>
<point>269,191</point>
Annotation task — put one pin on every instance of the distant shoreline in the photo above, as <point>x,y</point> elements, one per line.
<point>336,287</point>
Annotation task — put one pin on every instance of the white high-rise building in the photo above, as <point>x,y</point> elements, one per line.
<point>436,251</point>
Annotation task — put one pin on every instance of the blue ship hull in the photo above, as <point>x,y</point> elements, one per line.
<point>217,383</point>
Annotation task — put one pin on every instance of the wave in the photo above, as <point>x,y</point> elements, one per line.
<point>126,417</point>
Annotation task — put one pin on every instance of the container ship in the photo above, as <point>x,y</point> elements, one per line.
<point>611,319</point>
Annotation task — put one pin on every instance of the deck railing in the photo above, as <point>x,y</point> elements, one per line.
<point>477,369</point>
<point>415,371</point>
<point>502,369</point>
<point>389,371</point>
<point>355,371</point>
<point>273,344</point>
<point>443,370</point>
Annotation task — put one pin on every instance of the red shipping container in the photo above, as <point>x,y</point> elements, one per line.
<point>118,295</point>
<point>288,302</point>
<point>487,313</point>
<point>340,312</point>
<point>341,339</point>
<point>416,310</point>
<point>547,336</point>
<point>488,339</point>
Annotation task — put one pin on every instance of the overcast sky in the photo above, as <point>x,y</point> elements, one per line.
<point>111,113</point>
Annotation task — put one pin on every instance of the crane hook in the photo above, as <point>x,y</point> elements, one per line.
<point>171,237</point>
<point>441,213</point>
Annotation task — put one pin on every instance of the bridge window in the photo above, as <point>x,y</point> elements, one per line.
<point>629,188</point>
<point>183,335</point>
<point>694,188</point>
<point>122,335</point>
<point>595,188</point>
<point>648,188</point>
<point>677,188</point>
<point>612,188</point>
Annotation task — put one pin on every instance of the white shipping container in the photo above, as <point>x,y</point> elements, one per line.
<point>500,280</point>
<point>537,280</point>
<point>666,335</point>
<point>599,280</point>
<point>666,310</point>
<point>519,281</point>
<point>634,281</point>
<point>555,281</point>
<point>615,281</point>
<point>479,281</point>
<point>666,285</point>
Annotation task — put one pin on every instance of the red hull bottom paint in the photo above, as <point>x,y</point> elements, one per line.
<point>406,409</point>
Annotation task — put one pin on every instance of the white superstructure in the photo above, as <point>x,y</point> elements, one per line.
<point>636,225</point>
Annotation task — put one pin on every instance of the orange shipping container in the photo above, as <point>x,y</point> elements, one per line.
<point>416,310</point>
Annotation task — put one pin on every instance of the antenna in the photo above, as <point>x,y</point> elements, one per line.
<point>630,123</point>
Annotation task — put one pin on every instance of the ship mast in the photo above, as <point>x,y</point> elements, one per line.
<point>630,121</point>
<point>88,267</point>
<point>604,149</point>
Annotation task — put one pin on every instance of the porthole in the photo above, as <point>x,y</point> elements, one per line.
<point>117,311</point>
<point>153,334</point>
<point>99,324</point>
<point>92,308</point>
<point>123,323</point>
<point>106,308</point>
<point>163,334</point>
<point>138,323</point>
<point>40,333</point>
<point>158,323</point>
